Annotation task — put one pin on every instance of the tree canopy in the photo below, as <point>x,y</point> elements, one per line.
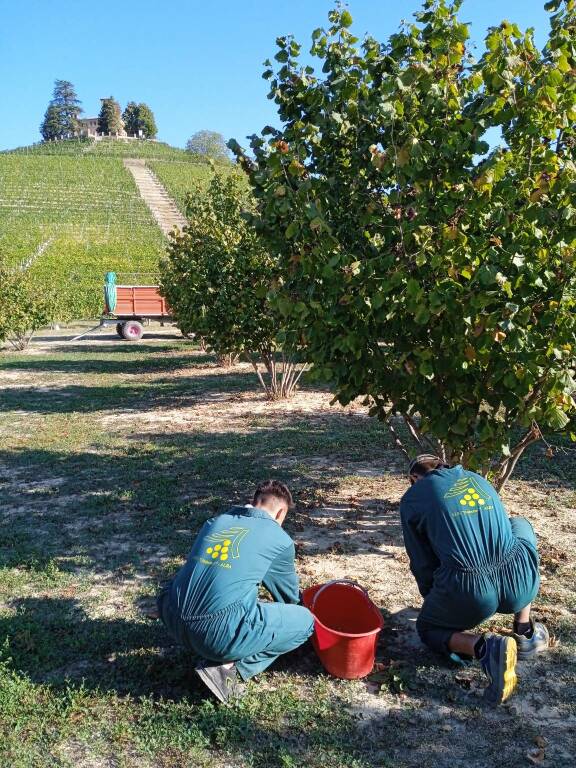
<point>216,278</point>
<point>25,306</point>
<point>208,144</point>
<point>139,117</point>
<point>61,116</point>
<point>110,118</point>
<point>422,269</point>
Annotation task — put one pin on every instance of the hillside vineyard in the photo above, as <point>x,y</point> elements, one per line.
<point>70,211</point>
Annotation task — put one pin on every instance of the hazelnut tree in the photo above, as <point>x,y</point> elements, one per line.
<point>216,277</point>
<point>421,268</point>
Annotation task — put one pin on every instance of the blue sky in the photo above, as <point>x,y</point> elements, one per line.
<point>198,64</point>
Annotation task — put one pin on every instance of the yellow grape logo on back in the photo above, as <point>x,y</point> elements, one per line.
<point>225,544</point>
<point>471,495</point>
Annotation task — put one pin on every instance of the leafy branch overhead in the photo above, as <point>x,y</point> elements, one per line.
<point>423,269</point>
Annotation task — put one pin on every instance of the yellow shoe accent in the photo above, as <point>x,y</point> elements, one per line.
<point>510,678</point>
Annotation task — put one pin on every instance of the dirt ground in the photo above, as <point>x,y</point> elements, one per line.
<point>216,433</point>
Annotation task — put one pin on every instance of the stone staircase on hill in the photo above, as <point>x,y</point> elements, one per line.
<point>155,196</point>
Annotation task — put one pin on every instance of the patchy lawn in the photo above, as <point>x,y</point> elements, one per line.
<point>111,457</point>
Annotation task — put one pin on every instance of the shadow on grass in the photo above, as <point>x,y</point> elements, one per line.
<point>171,392</point>
<point>127,503</point>
<point>96,336</point>
<point>54,643</point>
<point>87,360</point>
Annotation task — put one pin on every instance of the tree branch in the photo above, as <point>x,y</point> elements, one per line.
<point>395,437</point>
<point>507,467</point>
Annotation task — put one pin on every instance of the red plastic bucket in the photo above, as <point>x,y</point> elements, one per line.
<point>346,627</point>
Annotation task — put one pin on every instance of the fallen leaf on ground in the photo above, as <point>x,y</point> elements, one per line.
<point>536,756</point>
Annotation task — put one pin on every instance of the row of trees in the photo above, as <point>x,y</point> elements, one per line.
<point>136,120</point>
<point>391,247</point>
<point>62,116</point>
<point>64,110</point>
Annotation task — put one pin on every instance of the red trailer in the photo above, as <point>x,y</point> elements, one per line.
<point>134,305</point>
<point>128,307</point>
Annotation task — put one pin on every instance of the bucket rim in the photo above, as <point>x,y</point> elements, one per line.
<point>374,631</point>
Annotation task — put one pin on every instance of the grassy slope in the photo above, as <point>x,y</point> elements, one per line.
<point>112,456</point>
<point>78,196</point>
<point>107,148</point>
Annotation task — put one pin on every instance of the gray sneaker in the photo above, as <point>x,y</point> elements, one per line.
<point>528,647</point>
<point>222,681</point>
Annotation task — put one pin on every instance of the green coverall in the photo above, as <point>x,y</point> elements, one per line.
<point>211,606</point>
<point>470,560</point>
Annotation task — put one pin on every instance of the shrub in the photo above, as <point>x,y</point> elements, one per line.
<point>24,307</point>
<point>216,279</point>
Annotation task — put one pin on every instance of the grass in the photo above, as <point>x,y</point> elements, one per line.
<point>107,148</point>
<point>67,147</point>
<point>72,211</point>
<point>111,458</point>
<point>88,213</point>
<point>181,178</point>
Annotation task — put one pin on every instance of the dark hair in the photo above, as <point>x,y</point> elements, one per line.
<point>272,488</point>
<point>424,463</point>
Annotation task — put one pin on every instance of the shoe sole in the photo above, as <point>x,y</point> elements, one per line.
<point>507,678</point>
<point>209,684</point>
<point>527,655</point>
<point>507,671</point>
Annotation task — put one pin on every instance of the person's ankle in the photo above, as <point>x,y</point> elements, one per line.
<point>523,628</point>
<point>480,647</point>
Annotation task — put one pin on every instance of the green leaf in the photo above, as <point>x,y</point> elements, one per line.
<point>346,19</point>
<point>292,230</point>
<point>558,419</point>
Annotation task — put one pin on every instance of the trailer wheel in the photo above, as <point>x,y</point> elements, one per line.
<point>120,329</point>
<point>132,330</point>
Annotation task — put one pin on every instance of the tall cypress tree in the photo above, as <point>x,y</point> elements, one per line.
<point>61,117</point>
<point>110,118</point>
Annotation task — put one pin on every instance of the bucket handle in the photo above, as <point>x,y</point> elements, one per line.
<point>349,582</point>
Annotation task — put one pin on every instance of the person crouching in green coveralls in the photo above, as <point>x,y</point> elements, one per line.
<point>470,560</point>
<point>211,606</point>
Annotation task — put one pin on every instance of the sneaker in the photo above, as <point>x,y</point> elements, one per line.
<point>499,665</point>
<point>539,641</point>
<point>221,680</point>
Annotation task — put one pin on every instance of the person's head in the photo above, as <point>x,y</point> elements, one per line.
<point>422,465</point>
<point>275,498</point>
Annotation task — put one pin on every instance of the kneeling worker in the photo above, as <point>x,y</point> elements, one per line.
<point>211,606</point>
<point>471,560</point>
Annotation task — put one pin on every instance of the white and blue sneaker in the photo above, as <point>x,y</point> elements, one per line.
<point>538,642</point>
